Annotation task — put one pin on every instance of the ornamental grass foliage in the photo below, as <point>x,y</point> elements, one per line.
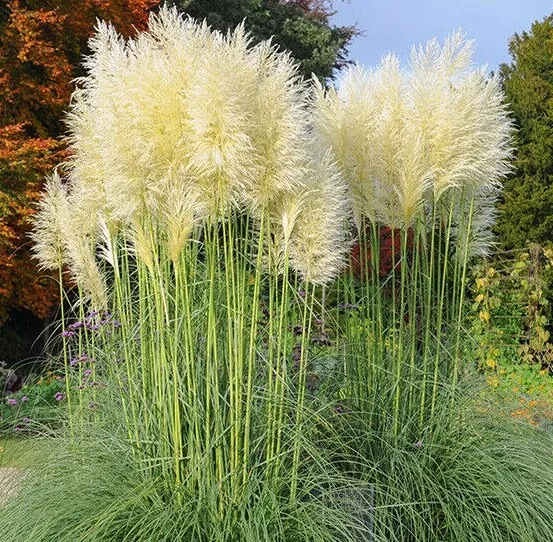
<point>230,374</point>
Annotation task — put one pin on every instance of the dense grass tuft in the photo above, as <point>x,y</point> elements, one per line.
<point>471,475</point>
<point>95,489</point>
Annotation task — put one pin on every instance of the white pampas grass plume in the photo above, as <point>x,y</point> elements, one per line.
<point>143,244</point>
<point>475,212</point>
<point>49,224</point>
<point>182,97</point>
<point>107,245</point>
<point>278,120</point>
<point>282,213</point>
<point>345,123</point>
<point>60,239</point>
<point>379,152</point>
<point>179,211</point>
<point>461,116</point>
<point>403,139</point>
<point>85,271</point>
<point>219,146</point>
<point>318,238</point>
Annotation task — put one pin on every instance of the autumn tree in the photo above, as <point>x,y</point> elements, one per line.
<point>302,27</point>
<point>41,46</point>
<point>527,210</point>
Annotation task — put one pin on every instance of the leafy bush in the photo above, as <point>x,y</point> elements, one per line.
<point>511,310</point>
<point>34,406</point>
<point>510,329</point>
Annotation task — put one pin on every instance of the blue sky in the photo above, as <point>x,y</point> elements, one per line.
<point>394,25</point>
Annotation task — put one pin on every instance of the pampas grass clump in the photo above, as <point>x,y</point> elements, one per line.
<point>423,151</point>
<point>408,140</point>
<point>189,203</point>
<point>204,237</point>
<point>178,126</point>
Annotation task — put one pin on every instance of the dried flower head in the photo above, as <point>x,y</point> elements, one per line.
<point>404,139</point>
<point>318,238</point>
<point>49,224</point>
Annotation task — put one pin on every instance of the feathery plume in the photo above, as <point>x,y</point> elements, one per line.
<point>404,139</point>
<point>318,237</point>
<point>83,266</point>
<point>143,244</point>
<point>60,239</point>
<point>181,96</point>
<point>179,211</point>
<point>278,120</point>
<point>49,224</point>
<point>475,212</point>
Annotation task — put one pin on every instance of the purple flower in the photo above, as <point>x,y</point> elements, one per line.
<point>418,444</point>
<point>92,405</point>
<point>68,334</point>
<point>12,401</point>
<point>24,399</point>
<point>88,372</point>
<point>80,359</point>
<point>76,325</point>
<point>26,420</point>
<point>58,396</point>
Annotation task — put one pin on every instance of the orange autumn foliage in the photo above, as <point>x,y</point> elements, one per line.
<point>41,46</point>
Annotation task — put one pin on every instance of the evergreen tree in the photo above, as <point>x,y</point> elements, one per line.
<point>527,209</point>
<point>300,26</point>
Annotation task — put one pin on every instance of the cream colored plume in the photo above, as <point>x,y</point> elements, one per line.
<point>84,269</point>
<point>461,117</point>
<point>143,239</point>
<point>62,238</point>
<point>181,97</point>
<point>49,224</point>
<point>179,211</point>
<point>278,123</point>
<point>475,212</point>
<point>404,138</point>
<point>318,229</point>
